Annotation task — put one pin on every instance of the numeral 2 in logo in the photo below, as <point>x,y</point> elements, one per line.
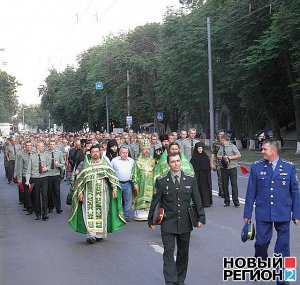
<point>290,275</point>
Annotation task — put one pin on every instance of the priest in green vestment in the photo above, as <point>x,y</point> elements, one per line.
<point>162,167</point>
<point>143,181</point>
<point>97,199</point>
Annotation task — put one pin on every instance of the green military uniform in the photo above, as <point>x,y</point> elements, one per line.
<point>22,168</point>
<point>39,180</point>
<point>11,151</point>
<point>54,177</point>
<point>215,149</point>
<point>19,179</point>
<point>175,195</point>
<point>5,159</point>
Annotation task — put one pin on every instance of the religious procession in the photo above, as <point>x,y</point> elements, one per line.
<point>116,179</point>
<point>128,166</point>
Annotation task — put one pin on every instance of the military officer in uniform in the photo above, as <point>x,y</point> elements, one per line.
<point>11,151</point>
<point>37,176</point>
<point>174,193</point>
<point>273,187</point>
<point>22,169</point>
<point>183,136</point>
<point>57,165</point>
<point>216,163</point>
<point>189,143</point>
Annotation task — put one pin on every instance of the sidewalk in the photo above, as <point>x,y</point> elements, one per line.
<point>248,157</point>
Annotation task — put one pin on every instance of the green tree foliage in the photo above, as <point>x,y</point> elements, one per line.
<point>34,116</point>
<point>8,97</point>
<point>255,65</point>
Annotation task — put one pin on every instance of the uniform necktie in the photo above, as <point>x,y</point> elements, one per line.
<point>177,184</point>
<point>14,150</point>
<point>192,147</point>
<point>52,161</point>
<point>40,164</point>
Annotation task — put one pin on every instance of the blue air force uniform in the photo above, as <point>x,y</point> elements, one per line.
<point>273,187</point>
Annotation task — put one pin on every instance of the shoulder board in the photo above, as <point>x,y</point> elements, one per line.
<point>259,161</point>
<point>189,175</point>
<point>162,177</point>
<point>286,161</point>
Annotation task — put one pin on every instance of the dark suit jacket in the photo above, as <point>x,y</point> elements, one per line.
<point>177,203</point>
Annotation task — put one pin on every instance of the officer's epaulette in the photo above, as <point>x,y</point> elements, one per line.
<point>189,175</point>
<point>286,161</point>
<point>161,177</point>
<point>259,161</point>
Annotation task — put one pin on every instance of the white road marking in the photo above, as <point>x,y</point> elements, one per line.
<point>157,248</point>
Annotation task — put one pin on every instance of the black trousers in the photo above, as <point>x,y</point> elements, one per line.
<point>10,170</point>
<point>175,271</point>
<point>27,196</point>
<point>6,167</point>
<point>54,192</point>
<point>220,182</point>
<point>231,174</point>
<point>40,196</point>
<point>21,196</point>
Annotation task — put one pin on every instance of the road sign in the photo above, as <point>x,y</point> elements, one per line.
<point>129,120</point>
<point>99,85</point>
<point>160,116</point>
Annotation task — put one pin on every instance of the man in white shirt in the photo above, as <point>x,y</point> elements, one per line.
<point>123,166</point>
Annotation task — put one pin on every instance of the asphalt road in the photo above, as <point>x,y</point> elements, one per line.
<point>49,253</point>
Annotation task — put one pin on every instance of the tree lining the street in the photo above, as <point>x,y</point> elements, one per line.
<point>255,65</point>
<point>8,96</point>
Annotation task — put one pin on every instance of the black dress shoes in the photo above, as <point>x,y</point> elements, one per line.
<point>59,211</point>
<point>45,218</point>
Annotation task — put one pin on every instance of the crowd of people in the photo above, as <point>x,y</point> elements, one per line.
<point>38,163</point>
<point>166,180</point>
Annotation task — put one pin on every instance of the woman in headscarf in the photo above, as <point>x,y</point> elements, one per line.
<point>112,149</point>
<point>201,164</point>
